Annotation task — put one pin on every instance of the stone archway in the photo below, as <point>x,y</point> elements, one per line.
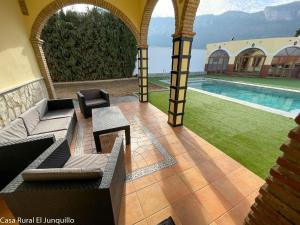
<point>286,63</point>
<point>143,47</point>
<point>52,8</point>
<point>147,14</point>
<point>183,24</point>
<point>250,61</point>
<point>186,23</point>
<point>218,62</point>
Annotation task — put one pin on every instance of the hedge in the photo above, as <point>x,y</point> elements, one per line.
<point>88,46</point>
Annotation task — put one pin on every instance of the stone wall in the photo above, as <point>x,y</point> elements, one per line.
<point>16,101</point>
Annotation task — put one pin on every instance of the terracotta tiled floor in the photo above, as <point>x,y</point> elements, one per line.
<point>205,186</point>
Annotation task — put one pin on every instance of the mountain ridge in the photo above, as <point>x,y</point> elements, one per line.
<point>273,21</point>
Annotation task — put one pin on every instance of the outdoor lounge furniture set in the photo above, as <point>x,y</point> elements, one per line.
<point>28,136</point>
<point>40,177</point>
<point>87,189</point>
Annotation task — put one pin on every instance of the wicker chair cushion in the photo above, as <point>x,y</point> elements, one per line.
<point>60,113</point>
<point>31,119</point>
<point>42,107</point>
<point>61,134</point>
<point>61,174</point>
<point>46,126</point>
<point>87,161</point>
<point>14,131</point>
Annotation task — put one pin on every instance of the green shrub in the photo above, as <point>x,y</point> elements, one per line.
<point>88,46</point>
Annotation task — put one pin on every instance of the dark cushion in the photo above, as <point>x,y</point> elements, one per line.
<point>14,131</point>
<point>91,94</point>
<point>95,102</point>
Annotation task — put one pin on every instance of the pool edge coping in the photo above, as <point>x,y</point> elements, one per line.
<point>256,85</point>
<point>252,105</point>
<point>249,104</point>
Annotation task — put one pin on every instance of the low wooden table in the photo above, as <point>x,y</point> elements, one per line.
<point>106,120</point>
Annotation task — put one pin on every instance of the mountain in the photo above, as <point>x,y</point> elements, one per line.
<point>273,21</point>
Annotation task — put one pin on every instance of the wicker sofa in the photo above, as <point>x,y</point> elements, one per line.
<point>94,201</point>
<point>92,98</point>
<point>24,139</point>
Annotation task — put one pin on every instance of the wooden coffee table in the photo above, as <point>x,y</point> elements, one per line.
<point>107,120</point>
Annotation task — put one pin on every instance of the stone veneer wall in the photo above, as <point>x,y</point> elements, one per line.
<point>16,101</point>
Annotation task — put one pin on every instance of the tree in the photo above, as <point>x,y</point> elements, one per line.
<point>88,46</point>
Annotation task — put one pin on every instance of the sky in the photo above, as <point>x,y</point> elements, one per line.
<point>164,8</point>
<point>218,6</point>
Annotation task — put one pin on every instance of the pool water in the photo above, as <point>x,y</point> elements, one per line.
<point>287,101</point>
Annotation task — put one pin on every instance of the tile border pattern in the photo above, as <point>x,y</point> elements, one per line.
<point>168,160</point>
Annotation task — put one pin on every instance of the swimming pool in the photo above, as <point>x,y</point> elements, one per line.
<point>273,98</point>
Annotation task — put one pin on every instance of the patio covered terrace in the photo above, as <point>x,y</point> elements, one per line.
<point>170,171</point>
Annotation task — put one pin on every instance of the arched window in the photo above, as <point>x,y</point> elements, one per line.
<point>250,61</point>
<point>218,62</point>
<point>286,63</point>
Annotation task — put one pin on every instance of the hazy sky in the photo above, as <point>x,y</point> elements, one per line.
<point>164,8</point>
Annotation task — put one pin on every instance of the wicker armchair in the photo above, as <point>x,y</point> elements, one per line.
<point>95,201</point>
<point>92,98</point>
<point>15,156</point>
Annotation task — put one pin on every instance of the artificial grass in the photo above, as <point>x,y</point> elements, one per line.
<point>276,82</point>
<point>248,135</point>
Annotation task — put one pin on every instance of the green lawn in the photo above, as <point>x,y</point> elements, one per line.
<point>248,135</point>
<point>276,82</point>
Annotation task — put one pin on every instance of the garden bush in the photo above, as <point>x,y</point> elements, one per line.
<point>89,45</point>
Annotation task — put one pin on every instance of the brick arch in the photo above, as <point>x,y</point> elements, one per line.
<point>147,14</point>
<point>284,47</point>
<point>251,48</point>
<point>56,5</point>
<point>52,8</point>
<point>186,24</point>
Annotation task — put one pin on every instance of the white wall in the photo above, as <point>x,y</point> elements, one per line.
<point>160,59</point>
